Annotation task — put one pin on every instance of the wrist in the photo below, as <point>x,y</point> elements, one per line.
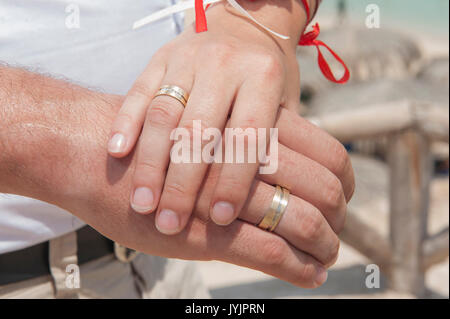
<point>287,18</point>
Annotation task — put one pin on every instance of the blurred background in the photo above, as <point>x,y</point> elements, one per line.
<point>393,118</point>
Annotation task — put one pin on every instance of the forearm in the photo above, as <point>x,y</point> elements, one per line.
<point>53,136</point>
<point>41,120</point>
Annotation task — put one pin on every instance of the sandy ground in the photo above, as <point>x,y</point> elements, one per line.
<point>347,278</point>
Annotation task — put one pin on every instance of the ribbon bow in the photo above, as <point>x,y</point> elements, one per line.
<point>309,39</point>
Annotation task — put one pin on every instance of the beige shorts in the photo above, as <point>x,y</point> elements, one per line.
<point>144,277</point>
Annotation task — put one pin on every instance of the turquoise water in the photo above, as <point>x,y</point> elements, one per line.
<point>430,16</point>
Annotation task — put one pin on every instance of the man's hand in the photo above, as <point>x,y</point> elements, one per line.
<point>53,137</point>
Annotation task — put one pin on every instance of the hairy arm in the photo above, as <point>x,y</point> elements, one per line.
<point>47,128</point>
<point>53,136</point>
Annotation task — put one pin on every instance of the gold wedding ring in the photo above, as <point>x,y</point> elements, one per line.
<point>279,204</point>
<point>174,91</point>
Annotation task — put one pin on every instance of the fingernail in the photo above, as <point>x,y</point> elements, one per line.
<point>322,276</point>
<point>142,201</point>
<point>117,143</point>
<point>222,213</point>
<point>167,222</point>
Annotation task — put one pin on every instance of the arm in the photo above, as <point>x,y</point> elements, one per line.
<point>53,136</point>
<point>42,120</point>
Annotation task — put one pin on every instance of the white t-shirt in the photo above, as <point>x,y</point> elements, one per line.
<point>87,42</point>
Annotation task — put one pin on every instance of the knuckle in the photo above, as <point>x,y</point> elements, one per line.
<point>249,124</point>
<point>162,114</point>
<point>140,89</point>
<point>341,160</point>
<point>193,131</point>
<point>213,176</point>
<point>270,66</point>
<point>334,199</point>
<point>146,168</point>
<point>334,252</point>
<point>339,224</point>
<point>275,252</point>
<point>125,119</point>
<point>305,277</point>
<point>310,226</point>
<point>195,128</point>
<point>247,132</point>
<point>177,190</point>
<point>232,188</point>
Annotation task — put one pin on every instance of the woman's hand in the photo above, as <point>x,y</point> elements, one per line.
<point>312,164</point>
<point>233,72</point>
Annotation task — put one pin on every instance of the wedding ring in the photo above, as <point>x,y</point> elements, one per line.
<point>174,91</point>
<point>277,208</point>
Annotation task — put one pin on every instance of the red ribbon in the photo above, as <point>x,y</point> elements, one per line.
<point>200,17</point>
<point>307,39</point>
<point>310,38</point>
<point>308,12</point>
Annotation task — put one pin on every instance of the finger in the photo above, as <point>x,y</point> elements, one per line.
<point>128,123</point>
<point>207,110</point>
<point>261,248</point>
<point>240,243</point>
<point>302,224</point>
<point>254,248</point>
<point>153,152</point>
<point>304,137</point>
<point>311,182</point>
<point>234,183</point>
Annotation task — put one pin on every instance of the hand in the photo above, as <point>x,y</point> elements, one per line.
<point>310,163</point>
<point>317,170</point>
<point>59,157</point>
<point>313,165</point>
<point>243,74</point>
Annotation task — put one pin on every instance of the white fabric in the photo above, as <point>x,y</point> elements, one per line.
<point>189,4</point>
<point>103,53</point>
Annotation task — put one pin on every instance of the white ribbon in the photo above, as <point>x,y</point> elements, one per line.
<point>183,6</point>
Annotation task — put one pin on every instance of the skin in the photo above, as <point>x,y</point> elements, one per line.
<point>230,71</point>
<point>52,147</point>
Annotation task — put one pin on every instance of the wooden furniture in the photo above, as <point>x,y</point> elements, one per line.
<point>410,127</point>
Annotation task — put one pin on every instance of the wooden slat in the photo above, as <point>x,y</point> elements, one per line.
<point>436,248</point>
<point>432,120</point>
<point>367,241</point>
<point>410,176</point>
<point>381,120</point>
